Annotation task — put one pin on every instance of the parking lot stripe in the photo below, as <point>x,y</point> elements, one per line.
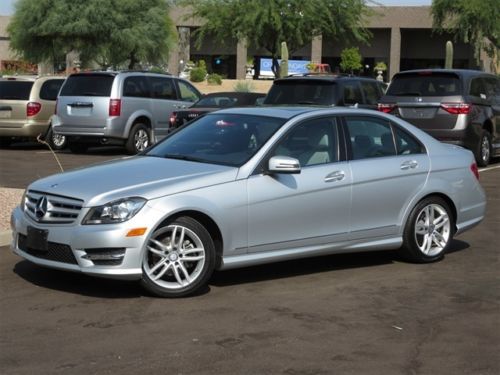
<point>489,168</point>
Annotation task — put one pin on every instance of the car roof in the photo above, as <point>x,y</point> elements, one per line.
<point>323,77</point>
<point>460,72</point>
<point>285,112</point>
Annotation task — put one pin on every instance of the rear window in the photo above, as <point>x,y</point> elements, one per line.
<point>425,84</point>
<point>88,85</point>
<point>302,92</point>
<point>50,89</point>
<point>15,90</point>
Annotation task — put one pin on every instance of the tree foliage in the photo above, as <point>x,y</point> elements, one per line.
<point>471,21</point>
<point>265,24</point>
<point>109,32</point>
<point>350,60</point>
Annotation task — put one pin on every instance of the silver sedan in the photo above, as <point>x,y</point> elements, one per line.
<point>242,187</point>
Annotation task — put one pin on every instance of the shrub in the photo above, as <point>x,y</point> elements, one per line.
<point>243,86</point>
<point>214,79</point>
<point>197,75</point>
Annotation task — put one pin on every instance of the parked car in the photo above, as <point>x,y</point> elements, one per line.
<point>212,102</point>
<point>461,107</point>
<point>325,90</point>
<point>246,186</point>
<point>27,105</point>
<point>127,108</point>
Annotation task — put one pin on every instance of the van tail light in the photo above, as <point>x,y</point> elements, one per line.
<point>115,107</point>
<point>32,108</point>
<point>474,170</point>
<point>173,119</point>
<point>386,108</point>
<point>457,108</point>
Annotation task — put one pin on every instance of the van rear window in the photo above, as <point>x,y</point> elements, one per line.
<point>425,84</point>
<point>15,90</point>
<point>88,85</point>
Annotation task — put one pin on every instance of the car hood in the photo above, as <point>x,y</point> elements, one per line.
<point>140,176</point>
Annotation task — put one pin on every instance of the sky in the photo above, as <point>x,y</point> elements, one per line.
<point>7,6</point>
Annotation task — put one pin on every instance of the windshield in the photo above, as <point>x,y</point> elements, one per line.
<point>425,84</point>
<point>216,101</point>
<point>227,139</point>
<point>15,90</point>
<point>302,92</point>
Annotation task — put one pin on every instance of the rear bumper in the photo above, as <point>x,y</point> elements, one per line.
<point>468,137</point>
<point>111,128</point>
<point>29,129</point>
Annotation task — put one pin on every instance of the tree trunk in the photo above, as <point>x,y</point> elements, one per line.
<point>133,61</point>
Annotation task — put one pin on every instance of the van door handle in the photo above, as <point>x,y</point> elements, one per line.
<point>410,164</point>
<point>335,176</point>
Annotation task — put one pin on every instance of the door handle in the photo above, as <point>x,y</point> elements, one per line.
<point>335,176</point>
<point>410,164</point>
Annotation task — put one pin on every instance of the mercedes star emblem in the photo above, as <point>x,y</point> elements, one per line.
<point>41,207</point>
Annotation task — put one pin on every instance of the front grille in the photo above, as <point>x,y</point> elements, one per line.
<point>55,209</point>
<point>56,252</point>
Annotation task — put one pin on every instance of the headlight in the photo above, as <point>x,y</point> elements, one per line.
<point>114,212</point>
<point>22,205</point>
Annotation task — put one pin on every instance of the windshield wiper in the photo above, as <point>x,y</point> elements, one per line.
<point>407,94</point>
<point>184,157</point>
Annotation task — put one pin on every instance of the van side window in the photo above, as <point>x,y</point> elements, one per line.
<point>187,92</point>
<point>136,87</point>
<point>162,88</point>
<point>477,88</point>
<point>50,89</point>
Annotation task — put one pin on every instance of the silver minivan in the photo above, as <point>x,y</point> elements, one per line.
<point>126,108</point>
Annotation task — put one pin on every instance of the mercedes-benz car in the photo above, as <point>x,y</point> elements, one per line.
<point>246,186</point>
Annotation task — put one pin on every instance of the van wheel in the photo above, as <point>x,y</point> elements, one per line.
<point>483,152</point>
<point>428,231</point>
<point>138,139</point>
<point>78,148</point>
<point>56,141</point>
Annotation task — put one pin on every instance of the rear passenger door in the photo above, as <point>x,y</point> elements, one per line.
<point>389,167</point>
<point>165,101</point>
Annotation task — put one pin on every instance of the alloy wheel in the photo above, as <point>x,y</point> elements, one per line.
<point>432,229</point>
<point>141,140</point>
<point>485,149</point>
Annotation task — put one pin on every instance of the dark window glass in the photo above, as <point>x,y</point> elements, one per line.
<point>15,90</point>
<point>312,142</point>
<point>477,87</point>
<point>352,93</point>
<point>372,92</point>
<point>50,89</point>
<point>407,144</point>
<point>226,139</point>
<point>425,84</point>
<point>88,85</point>
<point>302,92</point>
<point>492,86</point>
<point>370,137</point>
<point>188,92</point>
<point>216,101</point>
<point>136,87</point>
<point>162,88</point>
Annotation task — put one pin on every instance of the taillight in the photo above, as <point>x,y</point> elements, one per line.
<point>115,107</point>
<point>32,108</point>
<point>173,119</point>
<point>474,170</point>
<point>457,108</point>
<point>386,108</point>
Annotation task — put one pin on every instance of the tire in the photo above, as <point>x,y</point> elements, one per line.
<point>424,242</point>
<point>5,142</point>
<point>166,270</point>
<point>77,148</point>
<point>483,151</point>
<point>139,139</point>
<point>56,141</point>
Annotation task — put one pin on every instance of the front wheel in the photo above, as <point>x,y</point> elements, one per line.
<point>179,259</point>
<point>428,232</point>
<point>56,141</point>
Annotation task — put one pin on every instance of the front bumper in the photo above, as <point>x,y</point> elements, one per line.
<point>71,247</point>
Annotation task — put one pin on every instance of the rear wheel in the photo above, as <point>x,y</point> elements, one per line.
<point>483,152</point>
<point>138,139</point>
<point>179,258</point>
<point>78,148</point>
<point>56,141</point>
<point>428,232</point>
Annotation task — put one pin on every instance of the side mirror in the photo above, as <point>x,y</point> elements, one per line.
<point>283,164</point>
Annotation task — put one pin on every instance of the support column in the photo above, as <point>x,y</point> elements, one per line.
<point>241,59</point>
<point>180,54</point>
<point>395,52</point>
<point>45,68</point>
<point>317,49</point>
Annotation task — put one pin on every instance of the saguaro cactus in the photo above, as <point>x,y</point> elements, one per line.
<point>284,60</point>
<point>448,63</point>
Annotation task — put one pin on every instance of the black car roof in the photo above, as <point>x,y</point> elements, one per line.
<point>459,72</point>
<point>323,77</point>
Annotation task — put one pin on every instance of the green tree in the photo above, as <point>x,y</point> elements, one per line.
<point>265,24</point>
<point>350,60</point>
<point>109,32</point>
<point>470,21</point>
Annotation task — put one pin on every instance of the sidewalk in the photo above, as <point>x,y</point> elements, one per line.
<point>9,198</point>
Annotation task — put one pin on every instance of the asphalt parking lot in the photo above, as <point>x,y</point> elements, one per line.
<point>364,313</point>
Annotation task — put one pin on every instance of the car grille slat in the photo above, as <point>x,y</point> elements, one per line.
<point>56,252</point>
<point>59,209</point>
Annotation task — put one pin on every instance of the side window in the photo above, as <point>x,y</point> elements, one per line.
<point>187,92</point>
<point>406,144</point>
<point>162,88</point>
<point>371,91</point>
<point>312,142</point>
<point>136,87</point>
<point>492,88</point>
<point>50,89</point>
<point>477,88</point>
<point>370,137</point>
<point>352,93</point>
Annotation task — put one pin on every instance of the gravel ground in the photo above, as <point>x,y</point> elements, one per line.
<point>9,198</point>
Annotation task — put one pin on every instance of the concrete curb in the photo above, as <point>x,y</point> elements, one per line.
<point>5,237</point>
